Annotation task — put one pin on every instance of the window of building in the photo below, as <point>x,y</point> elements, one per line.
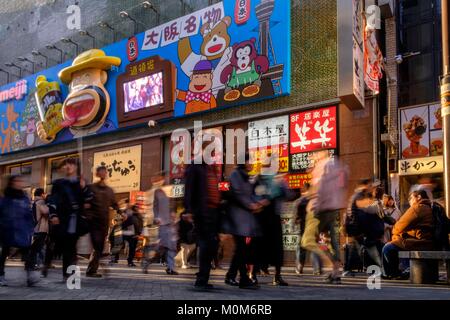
<point>24,170</point>
<point>53,170</point>
<point>419,37</point>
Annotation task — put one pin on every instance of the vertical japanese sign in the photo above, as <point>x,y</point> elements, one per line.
<point>269,137</point>
<point>242,11</point>
<point>310,131</point>
<point>421,131</point>
<point>290,229</point>
<point>123,166</point>
<point>373,60</point>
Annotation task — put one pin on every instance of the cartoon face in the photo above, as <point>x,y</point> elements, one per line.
<point>86,104</point>
<point>201,82</point>
<point>216,39</point>
<point>243,57</point>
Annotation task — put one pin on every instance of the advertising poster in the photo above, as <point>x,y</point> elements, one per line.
<point>290,229</point>
<point>228,54</point>
<point>421,131</point>
<point>123,166</point>
<point>269,137</point>
<point>310,131</point>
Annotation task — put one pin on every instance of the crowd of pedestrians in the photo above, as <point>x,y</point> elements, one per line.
<point>250,212</point>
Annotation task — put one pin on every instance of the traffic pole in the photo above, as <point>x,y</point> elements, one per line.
<point>445,104</point>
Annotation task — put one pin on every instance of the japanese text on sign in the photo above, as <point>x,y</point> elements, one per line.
<point>123,167</point>
<point>313,130</point>
<point>186,26</point>
<point>421,165</point>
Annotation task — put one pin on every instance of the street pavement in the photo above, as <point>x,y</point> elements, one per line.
<point>124,283</point>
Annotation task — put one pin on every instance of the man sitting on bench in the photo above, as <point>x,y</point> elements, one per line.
<point>412,232</point>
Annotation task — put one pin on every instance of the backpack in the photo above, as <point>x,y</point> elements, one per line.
<point>441,227</point>
<point>352,223</point>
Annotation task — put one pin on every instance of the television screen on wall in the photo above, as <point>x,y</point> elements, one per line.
<point>143,92</point>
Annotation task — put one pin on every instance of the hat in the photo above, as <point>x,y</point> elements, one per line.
<point>94,58</point>
<point>202,66</point>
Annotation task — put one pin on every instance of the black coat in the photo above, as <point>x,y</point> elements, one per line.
<point>67,198</point>
<point>243,222</point>
<point>196,200</point>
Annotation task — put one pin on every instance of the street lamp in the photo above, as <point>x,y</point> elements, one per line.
<point>103,24</point>
<point>53,47</point>
<point>149,5</point>
<point>38,53</point>
<point>87,34</point>
<point>11,64</point>
<point>68,40</point>
<point>125,15</point>
<point>7,75</point>
<point>25,59</point>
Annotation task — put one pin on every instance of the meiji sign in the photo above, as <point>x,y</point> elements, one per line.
<point>17,92</point>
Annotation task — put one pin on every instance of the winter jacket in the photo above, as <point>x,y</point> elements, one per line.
<point>16,220</point>
<point>414,229</point>
<point>242,220</point>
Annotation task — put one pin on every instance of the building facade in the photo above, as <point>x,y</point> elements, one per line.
<point>302,70</point>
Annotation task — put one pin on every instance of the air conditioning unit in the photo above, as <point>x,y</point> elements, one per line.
<point>387,8</point>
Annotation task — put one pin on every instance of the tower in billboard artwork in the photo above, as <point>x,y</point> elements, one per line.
<point>264,11</point>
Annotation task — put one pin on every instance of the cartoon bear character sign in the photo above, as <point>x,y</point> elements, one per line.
<point>215,48</point>
<point>245,70</point>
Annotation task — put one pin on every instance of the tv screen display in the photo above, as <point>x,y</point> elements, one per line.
<point>144,92</point>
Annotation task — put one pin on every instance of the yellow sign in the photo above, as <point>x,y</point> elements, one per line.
<point>421,166</point>
<point>123,166</point>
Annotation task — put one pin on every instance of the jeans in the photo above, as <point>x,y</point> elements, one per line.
<point>373,250</point>
<point>238,263</point>
<point>98,243</point>
<point>169,255</point>
<point>391,260</point>
<point>39,241</point>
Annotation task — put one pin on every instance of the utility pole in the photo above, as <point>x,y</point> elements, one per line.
<point>445,103</point>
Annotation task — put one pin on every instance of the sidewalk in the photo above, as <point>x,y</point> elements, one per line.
<point>123,283</point>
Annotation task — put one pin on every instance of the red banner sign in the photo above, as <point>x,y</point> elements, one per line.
<point>132,49</point>
<point>313,130</point>
<point>242,11</point>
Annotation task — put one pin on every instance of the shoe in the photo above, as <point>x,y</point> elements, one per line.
<point>333,280</point>
<point>348,274</point>
<point>248,285</point>
<point>231,282</point>
<point>131,265</point>
<point>203,286</point>
<point>171,272</point>
<point>403,276</point>
<point>299,269</point>
<point>93,275</point>
<point>278,281</point>
<point>186,267</point>
<point>3,282</point>
<point>32,280</point>
<point>318,273</point>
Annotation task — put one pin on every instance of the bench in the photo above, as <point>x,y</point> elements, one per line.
<point>424,265</point>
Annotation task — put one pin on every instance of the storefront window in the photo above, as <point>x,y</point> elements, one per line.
<point>53,171</point>
<point>24,170</point>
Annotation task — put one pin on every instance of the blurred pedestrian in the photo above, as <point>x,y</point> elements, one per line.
<point>67,204</point>
<point>243,207</point>
<point>329,188</point>
<point>272,191</point>
<point>40,213</point>
<point>16,227</point>
<point>187,241</point>
<point>201,201</point>
<point>390,210</point>
<point>301,253</point>
<point>102,198</point>
<point>165,218</point>
<point>132,227</point>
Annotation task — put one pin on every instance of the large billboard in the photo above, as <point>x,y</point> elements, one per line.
<point>228,54</point>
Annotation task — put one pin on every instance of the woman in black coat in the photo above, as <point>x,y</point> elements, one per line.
<point>243,224</point>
